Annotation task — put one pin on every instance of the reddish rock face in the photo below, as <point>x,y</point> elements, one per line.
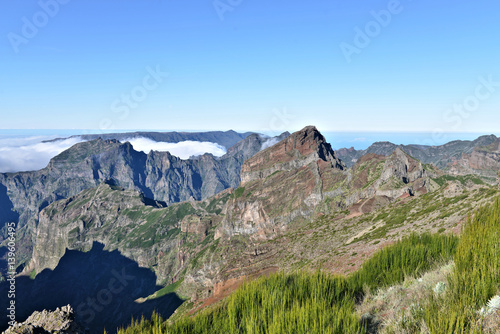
<point>301,176</point>
<point>281,184</point>
<point>195,224</point>
<point>298,150</point>
<point>484,161</point>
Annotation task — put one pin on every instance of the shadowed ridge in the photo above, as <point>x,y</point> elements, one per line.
<point>100,285</point>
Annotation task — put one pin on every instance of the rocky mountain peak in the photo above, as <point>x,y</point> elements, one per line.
<point>486,140</point>
<point>81,151</point>
<point>297,150</point>
<point>62,320</point>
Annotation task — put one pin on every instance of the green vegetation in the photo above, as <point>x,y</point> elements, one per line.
<point>153,326</point>
<point>166,290</point>
<point>474,280</point>
<point>158,224</point>
<point>239,192</point>
<point>296,303</point>
<point>311,303</point>
<point>411,256</point>
<point>216,204</point>
<point>463,179</point>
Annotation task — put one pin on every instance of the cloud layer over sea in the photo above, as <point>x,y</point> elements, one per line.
<point>183,150</point>
<point>30,153</point>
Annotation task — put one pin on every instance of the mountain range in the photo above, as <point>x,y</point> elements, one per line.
<point>204,225</point>
<point>445,156</point>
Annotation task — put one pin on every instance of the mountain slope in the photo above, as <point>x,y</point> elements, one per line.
<point>297,206</point>
<point>301,177</point>
<point>483,161</point>
<point>158,175</point>
<point>441,155</point>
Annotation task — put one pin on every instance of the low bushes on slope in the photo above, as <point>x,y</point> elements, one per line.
<point>475,278</point>
<point>310,303</point>
<point>409,257</point>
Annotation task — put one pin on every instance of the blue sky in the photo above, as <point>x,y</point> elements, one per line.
<point>250,65</point>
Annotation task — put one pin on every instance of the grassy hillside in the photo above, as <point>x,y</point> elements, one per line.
<point>306,302</point>
<point>317,302</point>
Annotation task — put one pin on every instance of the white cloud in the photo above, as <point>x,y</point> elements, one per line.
<point>183,150</point>
<point>268,143</point>
<point>30,153</point>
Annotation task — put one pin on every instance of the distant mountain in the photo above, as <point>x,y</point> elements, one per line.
<point>302,176</point>
<point>223,138</point>
<point>484,160</point>
<point>285,185</point>
<point>441,155</point>
<point>159,175</point>
<point>287,206</point>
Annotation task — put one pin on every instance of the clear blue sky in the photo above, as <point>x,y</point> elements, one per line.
<point>262,60</point>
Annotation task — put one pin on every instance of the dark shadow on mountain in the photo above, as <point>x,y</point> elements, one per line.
<point>101,286</point>
<point>153,203</point>
<point>7,213</point>
<point>3,262</point>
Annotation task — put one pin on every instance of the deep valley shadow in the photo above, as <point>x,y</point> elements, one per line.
<point>101,286</point>
<point>7,213</point>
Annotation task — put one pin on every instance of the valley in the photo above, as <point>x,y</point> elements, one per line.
<point>194,231</point>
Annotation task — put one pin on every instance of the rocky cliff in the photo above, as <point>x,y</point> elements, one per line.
<point>280,185</point>
<point>483,161</point>
<point>301,177</point>
<point>297,203</point>
<point>141,229</point>
<point>158,175</point>
<point>441,155</point>
<point>62,321</point>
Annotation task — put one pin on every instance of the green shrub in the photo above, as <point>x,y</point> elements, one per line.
<point>475,278</point>
<point>411,256</point>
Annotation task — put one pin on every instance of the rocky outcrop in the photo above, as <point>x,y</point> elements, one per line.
<point>281,184</point>
<point>62,321</point>
<point>301,177</point>
<point>158,175</point>
<point>297,151</point>
<point>483,161</point>
<point>196,224</point>
<point>384,179</point>
<point>441,155</point>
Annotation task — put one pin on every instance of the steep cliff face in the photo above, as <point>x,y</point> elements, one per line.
<point>282,184</point>
<point>120,219</point>
<point>298,150</point>
<point>483,160</point>
<point>441,155</point>
<point>375,180</point>
<point>301,177</point>
<point>158,175</point>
